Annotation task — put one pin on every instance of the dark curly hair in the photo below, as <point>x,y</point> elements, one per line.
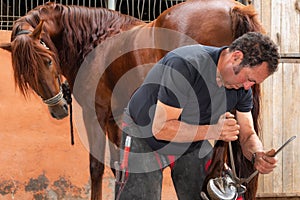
<point>257,48</point>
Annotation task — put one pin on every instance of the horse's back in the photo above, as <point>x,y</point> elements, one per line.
<point>206,21</point>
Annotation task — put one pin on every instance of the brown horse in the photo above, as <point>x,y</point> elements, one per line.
<point>96,49</point>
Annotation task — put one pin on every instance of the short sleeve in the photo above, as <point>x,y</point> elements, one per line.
<point>245,101</point>
<point>177,81</point>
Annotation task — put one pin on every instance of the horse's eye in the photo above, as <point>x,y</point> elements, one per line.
<point>49,63</point>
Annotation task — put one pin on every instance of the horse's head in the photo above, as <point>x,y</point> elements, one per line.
<point>36,66</point>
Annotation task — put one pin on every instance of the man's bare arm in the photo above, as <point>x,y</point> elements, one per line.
<point>166,126</point>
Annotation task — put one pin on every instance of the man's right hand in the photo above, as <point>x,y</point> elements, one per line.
<point>228,127</point>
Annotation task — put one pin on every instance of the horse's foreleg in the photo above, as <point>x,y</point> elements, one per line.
<point>97,162</point>
<point>97,154</point>
<point>96,173</point>
<point>97,140</point>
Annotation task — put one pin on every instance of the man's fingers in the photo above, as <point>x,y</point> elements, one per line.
<point>230,122</point>
<point>271,152</point>
<point>231,138</point>
<point>266,162</point>
<point>228,115</point>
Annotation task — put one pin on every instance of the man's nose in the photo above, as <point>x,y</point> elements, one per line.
<point>248,85</point>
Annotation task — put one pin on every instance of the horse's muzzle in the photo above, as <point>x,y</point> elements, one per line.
<point>60,110</point>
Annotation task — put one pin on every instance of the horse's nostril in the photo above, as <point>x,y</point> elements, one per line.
<point>66,107</point>
<point>52,114</point>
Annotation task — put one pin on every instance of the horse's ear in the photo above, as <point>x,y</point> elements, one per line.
<point>6,46</point>
<point>50,3</point>
<point>38,30</point>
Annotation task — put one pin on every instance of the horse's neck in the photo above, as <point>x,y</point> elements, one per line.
<point>76,40</point>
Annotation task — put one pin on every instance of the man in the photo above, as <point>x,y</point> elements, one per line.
<point>184,101</point>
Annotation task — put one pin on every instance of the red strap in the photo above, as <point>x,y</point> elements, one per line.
<point>158,160</point>
<point>207,164</point>
<point>171,159</point>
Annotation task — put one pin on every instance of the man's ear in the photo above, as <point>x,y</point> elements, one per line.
<point>237,56</point>
<point>6,46</point>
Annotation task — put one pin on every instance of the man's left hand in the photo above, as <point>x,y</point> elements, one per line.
<point>265,162</point>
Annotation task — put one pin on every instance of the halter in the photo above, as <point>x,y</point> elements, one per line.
<point>53,101</point>
<point>21,32</point>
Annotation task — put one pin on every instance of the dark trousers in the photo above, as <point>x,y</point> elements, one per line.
<point>145,167</point>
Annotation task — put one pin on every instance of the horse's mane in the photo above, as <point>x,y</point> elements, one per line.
<point>82,29</point>
<point>85,28</point>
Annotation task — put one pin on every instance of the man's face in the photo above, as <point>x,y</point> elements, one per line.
<point>235,77</point>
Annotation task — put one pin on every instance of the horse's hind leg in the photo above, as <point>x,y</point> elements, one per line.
<point>113,134</point>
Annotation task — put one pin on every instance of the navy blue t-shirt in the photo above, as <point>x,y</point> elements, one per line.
<point>185,78</point>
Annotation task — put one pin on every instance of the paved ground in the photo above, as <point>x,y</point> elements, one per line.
<point>37,160</point>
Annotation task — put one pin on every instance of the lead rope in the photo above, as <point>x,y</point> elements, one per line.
<point>68,97</point>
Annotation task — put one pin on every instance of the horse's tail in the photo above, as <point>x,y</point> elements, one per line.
<point>243,170</point>
<point>216,167</point>
<point>245,19</point>
<point>245,167</point>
